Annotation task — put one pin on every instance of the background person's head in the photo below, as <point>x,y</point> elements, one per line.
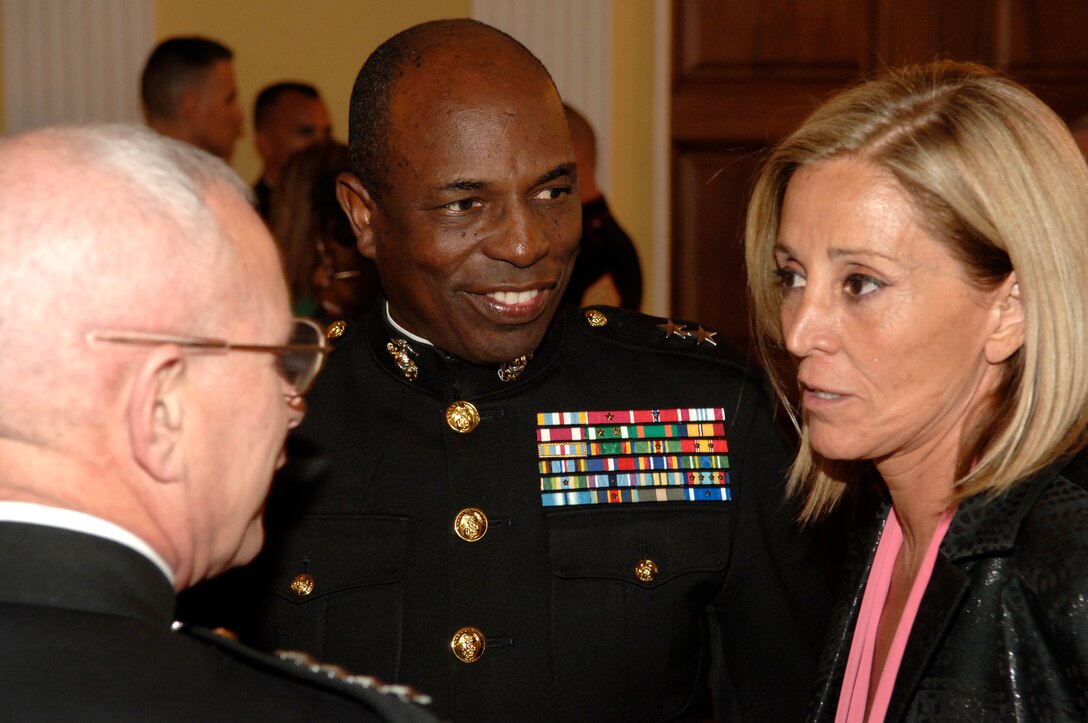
<point>287,117</point>
<point>463,188</point>
<point>583,142</point>
<point>992,175</point>
<point>174,445</point>
<point>189,93</point>
<point>323,263</point>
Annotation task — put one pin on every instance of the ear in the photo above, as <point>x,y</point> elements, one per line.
<point>360,209</point>
<point>155,414</point>
<point>189,107</point>
<point>1008,332</point>
<point>264,149</point>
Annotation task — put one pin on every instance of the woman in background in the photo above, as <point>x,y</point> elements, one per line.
<point>327,275</point>
<point>918,258</point>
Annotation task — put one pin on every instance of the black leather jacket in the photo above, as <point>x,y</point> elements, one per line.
<point>1002,630</point>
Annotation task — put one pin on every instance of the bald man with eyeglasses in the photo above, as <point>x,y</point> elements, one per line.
<point>149,375</point>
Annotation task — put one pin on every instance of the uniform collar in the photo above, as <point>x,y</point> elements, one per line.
<point>33,513</point>
<point>403,355</point>
<point>64,569</point>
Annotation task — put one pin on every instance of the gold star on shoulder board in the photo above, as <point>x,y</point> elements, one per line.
<point>672,329</point>
<point>702,335</point>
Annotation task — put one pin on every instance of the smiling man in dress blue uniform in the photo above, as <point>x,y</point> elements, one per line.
<point>532,511</point>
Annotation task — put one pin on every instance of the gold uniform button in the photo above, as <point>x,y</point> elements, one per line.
<point>336,329</point>
<point>302,584</point>
<point>470,524</point>
<point>468,644</point>
<point>646,570</point>
<point>596,318</point>
<point>462,417</point>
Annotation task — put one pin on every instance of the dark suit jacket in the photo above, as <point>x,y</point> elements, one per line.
<point>85,633</point>
<point>1002,630</point>
<point>376,477</point>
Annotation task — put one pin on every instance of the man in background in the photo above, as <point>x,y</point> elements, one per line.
<point>607,270</point>
<point>287,117</point>
<point>189,93</point>
<point>139,431</point>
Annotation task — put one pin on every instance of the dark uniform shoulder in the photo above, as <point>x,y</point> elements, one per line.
<point>636,330</point>
<point>387,701</point>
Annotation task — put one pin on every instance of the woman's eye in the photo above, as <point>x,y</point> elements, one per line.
<point>789,279</point>
<point>860,285</point>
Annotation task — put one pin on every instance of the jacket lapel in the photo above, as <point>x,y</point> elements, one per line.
<point>844,619</point>
<point>941,602</point>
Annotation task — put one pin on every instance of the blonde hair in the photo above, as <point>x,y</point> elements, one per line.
<point>997,177</point>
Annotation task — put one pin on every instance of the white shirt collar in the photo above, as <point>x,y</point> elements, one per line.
<point>33,513</point>
<point>402,330</point>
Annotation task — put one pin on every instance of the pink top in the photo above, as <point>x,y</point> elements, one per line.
<point>859,666</point>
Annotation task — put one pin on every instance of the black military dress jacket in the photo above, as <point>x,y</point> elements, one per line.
<point>1002,630</point>
<point>86,635</point>
<point>591,537</point>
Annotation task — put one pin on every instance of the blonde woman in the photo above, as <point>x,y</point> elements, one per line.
<point>918,259</point>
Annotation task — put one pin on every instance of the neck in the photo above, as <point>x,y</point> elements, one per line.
<point>921,485</point>
<point>31,473</point>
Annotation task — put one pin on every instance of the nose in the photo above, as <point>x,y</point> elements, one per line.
<point>321,277</point>
<point>808,324</point>
<point>521,239</point>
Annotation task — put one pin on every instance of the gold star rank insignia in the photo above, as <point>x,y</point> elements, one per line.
<point>703,335</point>
<point>672,329</point>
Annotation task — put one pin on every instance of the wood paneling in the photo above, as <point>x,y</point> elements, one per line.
<point>746,72</point>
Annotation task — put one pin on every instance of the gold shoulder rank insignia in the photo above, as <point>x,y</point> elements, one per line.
<point>335,672</point>
<point>702,335</point>
<point>672,329</point>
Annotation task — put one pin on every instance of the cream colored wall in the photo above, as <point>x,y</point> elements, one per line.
<point>3,113</point>
<point>323,42</point>
<point>631,196</point>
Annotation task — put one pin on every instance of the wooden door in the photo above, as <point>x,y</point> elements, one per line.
<point>747,72</point>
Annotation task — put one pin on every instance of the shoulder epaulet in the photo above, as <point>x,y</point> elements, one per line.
<point>637,329</point>
<point>386,698</point>
<point>662,334</point>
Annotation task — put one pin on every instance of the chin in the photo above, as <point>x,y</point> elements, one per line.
<point>497,353</point>
<point>251,544</point>
<point>831,445</point>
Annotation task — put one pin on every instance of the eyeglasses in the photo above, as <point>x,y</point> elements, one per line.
<point>329,267</point>
<point>298,361</point>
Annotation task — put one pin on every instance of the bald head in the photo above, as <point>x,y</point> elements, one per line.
<point>95,223</point>
<point>464,188</point>
<point>583,142</point>
<point>401,63</point>
<point>108,230</point>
